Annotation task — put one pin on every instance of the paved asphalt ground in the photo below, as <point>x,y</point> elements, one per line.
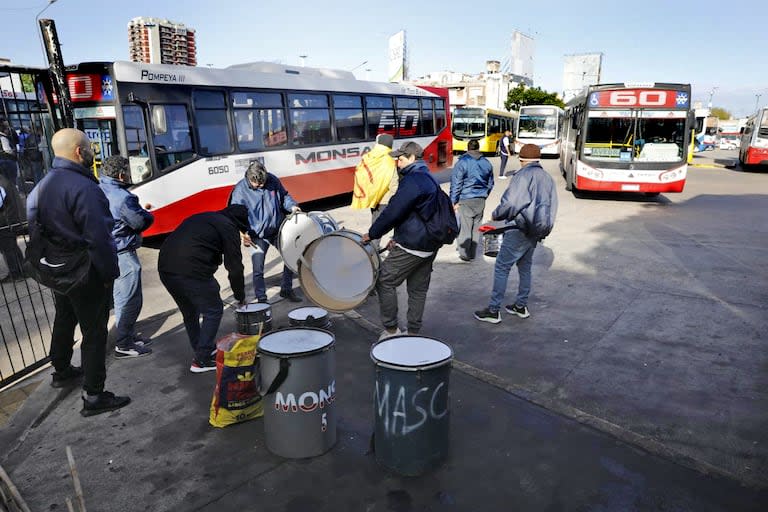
<point>638,383</point>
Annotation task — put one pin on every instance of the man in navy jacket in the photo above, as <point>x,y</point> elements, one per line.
<point>411,252</point>
<point>471,183</point>
<point>130,220</point>
<point>69,206</point>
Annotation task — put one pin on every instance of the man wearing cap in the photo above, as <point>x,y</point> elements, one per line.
<point>411,252</point>
<point>375,179</point>
<point>531,194</point>
<point>505,151</point>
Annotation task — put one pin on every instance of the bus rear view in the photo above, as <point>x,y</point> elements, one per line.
<point>628,138</point>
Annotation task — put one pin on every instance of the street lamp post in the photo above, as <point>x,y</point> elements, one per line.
<point>359,65</point>
<point>757,101</point>
<point>711,93</point>
<point>302,57</point>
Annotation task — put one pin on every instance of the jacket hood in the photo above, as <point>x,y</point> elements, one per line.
<point>239,214</point>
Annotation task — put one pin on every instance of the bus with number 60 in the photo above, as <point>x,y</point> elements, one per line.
<point>628,137</point>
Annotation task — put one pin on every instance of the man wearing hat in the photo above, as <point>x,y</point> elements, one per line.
<point>375,179</point>
<point>531,195</point>
<point>411,252</point>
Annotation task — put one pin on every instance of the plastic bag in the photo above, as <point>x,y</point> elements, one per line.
<point>237,396</point>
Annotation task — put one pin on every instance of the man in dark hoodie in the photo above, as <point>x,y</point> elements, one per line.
<point>188,259</point>
<point>411,250</point>
<point>70,208</point>
<point>471,182</point>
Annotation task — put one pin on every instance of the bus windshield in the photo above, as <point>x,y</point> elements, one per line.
<point>537,124</point>
<point>642,136</point>
<point>468,124</point>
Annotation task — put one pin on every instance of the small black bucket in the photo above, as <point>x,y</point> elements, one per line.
<point>254,319</point>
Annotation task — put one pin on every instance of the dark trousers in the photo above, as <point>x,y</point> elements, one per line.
<point>401,266</point>
<point>504,159</point>
<point>196,298</point>
<point>11,252</point>
<point>87,305</point>
<point>471,215</point>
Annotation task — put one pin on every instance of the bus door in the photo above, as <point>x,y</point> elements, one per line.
<point>102,132</point>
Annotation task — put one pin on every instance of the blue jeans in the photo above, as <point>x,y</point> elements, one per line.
<point>259,254</point>
<point>196,298</point>
<point>128,297</point>
<point>515,248</point>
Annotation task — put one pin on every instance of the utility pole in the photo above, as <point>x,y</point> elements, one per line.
<point>302,57</point>
<point>711,93</point>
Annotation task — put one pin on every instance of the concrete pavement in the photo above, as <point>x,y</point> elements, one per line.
<point>638,383</point>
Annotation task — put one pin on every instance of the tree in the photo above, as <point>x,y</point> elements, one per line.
<point>522,95</point>
<point>720,113</point>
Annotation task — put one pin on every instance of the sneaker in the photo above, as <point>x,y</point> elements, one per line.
<point>502,177</point>
<point>514,309</point>
<point>486,315</point>
<point>260,300</point>
<point>207,365</point>
<point>141,340</point>
<point>386,333</point>
<point>290,295</point>
<point>132,350</point>
<point>67,377</point>
<point>103,402</point>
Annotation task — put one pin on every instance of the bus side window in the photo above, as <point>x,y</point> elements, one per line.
<point>212,122</point>
<point>171,135</point>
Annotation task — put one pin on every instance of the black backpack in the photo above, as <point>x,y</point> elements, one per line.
<point>441,225</point>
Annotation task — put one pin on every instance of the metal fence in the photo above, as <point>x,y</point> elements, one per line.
<point>26,316</point>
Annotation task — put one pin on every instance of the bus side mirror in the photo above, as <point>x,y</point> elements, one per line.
<point>159,124</point>
<point>741,130</point>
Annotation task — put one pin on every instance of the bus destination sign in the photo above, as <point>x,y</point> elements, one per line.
<point>640,98</point>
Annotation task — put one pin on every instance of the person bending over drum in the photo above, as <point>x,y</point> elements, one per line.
<point>267,202</point>
<point>411,252</point>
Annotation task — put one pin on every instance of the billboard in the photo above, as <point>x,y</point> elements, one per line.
<point>521,64</point>
<point>397,66</point>
<point>579,71</point>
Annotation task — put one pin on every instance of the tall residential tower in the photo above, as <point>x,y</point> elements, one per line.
<point>160,41</point>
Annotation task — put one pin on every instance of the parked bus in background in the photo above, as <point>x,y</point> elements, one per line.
<point>190,133</point>
<point>628,138</point>
<point>540,125</point>
<point>753,150</point>
<point>484,125</point>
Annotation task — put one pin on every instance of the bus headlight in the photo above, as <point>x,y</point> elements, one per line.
<point>672,175</point>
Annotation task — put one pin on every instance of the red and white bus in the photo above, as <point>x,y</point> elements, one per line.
<point>190,133</point>
<point>753,150</point>
<point>627,138</point>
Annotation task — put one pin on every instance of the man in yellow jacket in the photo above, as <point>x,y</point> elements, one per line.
<point>375,179</point>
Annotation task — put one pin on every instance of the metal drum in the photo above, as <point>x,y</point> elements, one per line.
<point>309,316</point>
<point>411,432</point>
<point>298,230</point>
<point>492,243</point>
<point>337,271</point>
<point>297,370</point>
<point>254,319</point>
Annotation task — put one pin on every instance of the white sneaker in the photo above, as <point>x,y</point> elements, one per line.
<point>386,334</point>
<point>502,177</point>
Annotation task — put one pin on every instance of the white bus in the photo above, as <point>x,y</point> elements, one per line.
<point>753,150</point>
<point>540,125</point>
<point>190,132</point>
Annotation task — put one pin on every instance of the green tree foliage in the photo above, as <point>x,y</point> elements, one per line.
<point>720,113</point>
<point>28,83</point>
<point>522,95</point>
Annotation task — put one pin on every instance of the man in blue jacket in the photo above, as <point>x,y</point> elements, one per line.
<point>471,182</point>
<point>69,206</point>
<point>530,200</point>
<point>267,202</point>
<point>130,220</point>
<point>411,250</point>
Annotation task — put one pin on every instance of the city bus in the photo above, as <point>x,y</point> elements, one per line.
<point>484,125</point>
<point>190,133</point>
<point>628,138</point>
<point>753,150</point>
<point>540,125</point>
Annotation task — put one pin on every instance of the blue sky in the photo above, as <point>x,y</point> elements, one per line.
<point>653,40</point>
